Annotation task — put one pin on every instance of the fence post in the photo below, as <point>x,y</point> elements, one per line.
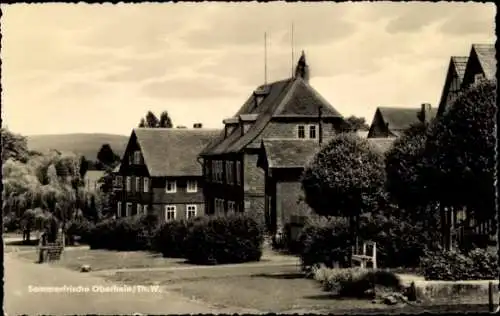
<point>490,297</point>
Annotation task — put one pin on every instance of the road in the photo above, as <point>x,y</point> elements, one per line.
<point>24,281</point>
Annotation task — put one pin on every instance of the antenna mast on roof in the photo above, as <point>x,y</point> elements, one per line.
<point>265,58</point>
<point>292,51</point>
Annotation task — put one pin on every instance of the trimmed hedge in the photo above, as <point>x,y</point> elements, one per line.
<point>232,238</point>
<point>170,239</point>
<point>478,264</point>
<point>126,234</point>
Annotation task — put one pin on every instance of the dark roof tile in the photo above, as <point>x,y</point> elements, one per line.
<point>486,55</point>
<point>289,153</point>
<point>286,97</point>
<point>401,118</point>
<point>173,152</point>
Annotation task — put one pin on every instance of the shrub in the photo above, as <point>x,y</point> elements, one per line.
<point>11,223</point>
<point>170,239</point>
<point>81,228</point>
<point>126,234</point>
<point>232,238</point>
<point>355,282</point>
<point>478,264</point>
<point>324,242</point>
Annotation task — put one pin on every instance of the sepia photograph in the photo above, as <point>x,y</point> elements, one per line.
<point>249,158</point>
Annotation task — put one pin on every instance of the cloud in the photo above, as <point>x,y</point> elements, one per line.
<point>199,87</point>
<point>78,90</point>
<point>243,25</point>
<point>413,17</point>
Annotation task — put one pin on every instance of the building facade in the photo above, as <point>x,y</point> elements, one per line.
<point>159,173</point>
<point>289,109</point>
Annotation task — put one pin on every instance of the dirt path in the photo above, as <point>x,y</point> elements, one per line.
<point>22,279</point>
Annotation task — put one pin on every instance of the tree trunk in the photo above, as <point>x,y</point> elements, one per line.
<point>353,240</point>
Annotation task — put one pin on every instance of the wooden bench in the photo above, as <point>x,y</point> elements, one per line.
<point>363,258</point>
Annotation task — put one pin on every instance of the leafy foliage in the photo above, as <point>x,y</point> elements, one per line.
<point>354,123</point>
<point>404,167</point>
<point>125,234</point>
<point>325,243</point>
<point>232,238</point>
<point>355,282</point>
<point>170,239</point>
<point>14,146</point>
<point>107,157</point>
<point>344,178</point>
<point>459,159</point>
<point>479,264</point>
<point>165,121</point>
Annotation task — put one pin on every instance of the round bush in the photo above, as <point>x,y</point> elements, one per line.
<point>233,238</point>
<point>170,239</point>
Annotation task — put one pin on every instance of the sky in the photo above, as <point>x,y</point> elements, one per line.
<point>82,68</point>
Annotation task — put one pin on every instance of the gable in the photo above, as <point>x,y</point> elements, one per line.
<point>453,81</point>
<point>288,97</point>
<point>482,60</point>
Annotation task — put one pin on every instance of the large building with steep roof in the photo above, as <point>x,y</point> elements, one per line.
<point>289,109</point>
<point>159,173</point>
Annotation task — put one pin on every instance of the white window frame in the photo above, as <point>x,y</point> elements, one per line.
<point>137,157</point>
<point>231,207</point>
<point>129,184</point>
<point>170,208</point>
<point>174,186</point>
<point>128,209</point>
<point>138,184</point>
<point>119,209</point>
<point>138,209</point>
<point>310,128</point>
<point>192,188</point>
<point>118,181</point>
<point>145,188</point>
<point>238,172</point>
<point>145,209</point>
<point>194,208</point>
<point>303,127</point>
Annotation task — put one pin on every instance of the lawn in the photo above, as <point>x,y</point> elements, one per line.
<point>104,259</point>
<point>267,288</point>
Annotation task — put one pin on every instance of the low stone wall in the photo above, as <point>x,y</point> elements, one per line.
<point>475,291</point>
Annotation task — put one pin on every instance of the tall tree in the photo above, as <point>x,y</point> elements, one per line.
<point>165,120</point>
<point>106,156</point>
<point>355,123</point>
<point>151,120</point>
<point>345,178</point>
<point>459,157</point>
<point>142,123</point>
<point>14,146</point>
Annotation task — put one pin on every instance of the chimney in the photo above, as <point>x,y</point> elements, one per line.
<point>197,125</point>
<point>424,114</point>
